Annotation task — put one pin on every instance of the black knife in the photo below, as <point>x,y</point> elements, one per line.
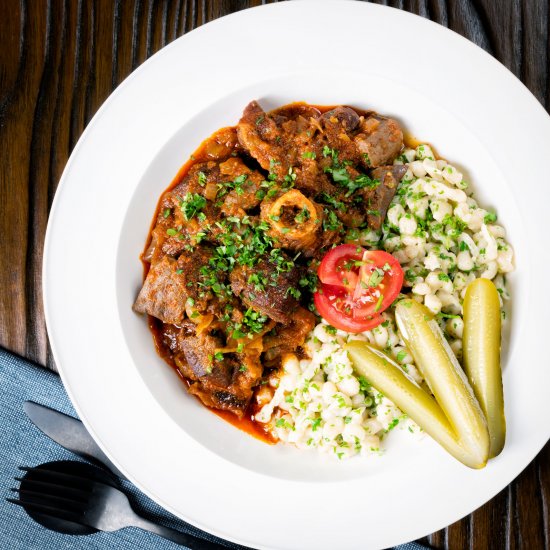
<point>68,432</point>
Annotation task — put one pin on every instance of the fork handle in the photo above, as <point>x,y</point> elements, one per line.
<point>191,541</point>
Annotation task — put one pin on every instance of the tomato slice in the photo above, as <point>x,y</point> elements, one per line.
<point>338,267</point>
<point>357,286</point>
<point>324,301</point>
<point>379,282</point>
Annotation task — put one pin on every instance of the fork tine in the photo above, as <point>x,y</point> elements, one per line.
<point>46,488</point>
<point>51,511</point>
<point>36,497</point>
<point>60,478</point>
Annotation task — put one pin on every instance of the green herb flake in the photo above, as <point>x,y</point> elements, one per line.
<point>392,425</point>
<point>315,424</point>
<point>401,355</point>
<point>490,217</point>
<point>303,216</point>
<point>376,277</point>
<point>192,204</point>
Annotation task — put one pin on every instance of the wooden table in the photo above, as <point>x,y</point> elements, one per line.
<point>59,60</point>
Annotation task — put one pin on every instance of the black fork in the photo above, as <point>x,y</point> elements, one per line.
<point>89,499</point>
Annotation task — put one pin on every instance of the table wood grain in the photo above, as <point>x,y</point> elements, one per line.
<point>59,60</point>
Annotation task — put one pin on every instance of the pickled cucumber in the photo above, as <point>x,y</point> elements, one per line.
<point>481,354</point>
<point>455,418</point>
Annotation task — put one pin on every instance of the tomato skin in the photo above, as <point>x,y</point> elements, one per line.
<point>331,270</point>
<point>337,319</point>
<point>357,285</point>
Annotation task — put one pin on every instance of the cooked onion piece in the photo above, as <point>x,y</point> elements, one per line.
<point>481,353</point>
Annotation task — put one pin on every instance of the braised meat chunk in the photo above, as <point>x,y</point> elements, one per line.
<point>379,198</point>
<point>379,141</point>
<point>234,251</point>
<point>219,379</point>
<point>259,135</point>
<point>287,339</point>
<point>269,288</point>
<point>164,293</point>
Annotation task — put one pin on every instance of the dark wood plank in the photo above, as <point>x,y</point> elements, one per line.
<point>60,59</point>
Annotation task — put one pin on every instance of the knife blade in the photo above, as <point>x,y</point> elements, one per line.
<point>68,432</point>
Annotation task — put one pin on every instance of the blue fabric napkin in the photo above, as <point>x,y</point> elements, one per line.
<point>22,444</point>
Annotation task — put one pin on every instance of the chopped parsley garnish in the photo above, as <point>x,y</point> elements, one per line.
<point>294,292</point>
<point>252,323</point>
<point>490,217</point>
<point>202,178</point>
<point>192,204</point>
<point>364,384</point>
<point>259,280</point>
<point>282,423</point>
<point>447,316</point>
<point>335,203</point>
<point>401,355</point>
<point>236,185</point>
<point>331,221</point>
<point>341,176</point>
<point>309,155</point>
<point>328,152</point>
<point>290,178</point>
<point>315,423</point>
<point>303,216</point>
<point>392,425</point>
<point>376,277</point>
<point>167,212</point>
<point>309,281</point>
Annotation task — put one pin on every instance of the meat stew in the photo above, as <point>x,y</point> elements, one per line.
<point>231,259</point>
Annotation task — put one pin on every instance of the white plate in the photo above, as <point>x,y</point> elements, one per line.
<point>443,89</point>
